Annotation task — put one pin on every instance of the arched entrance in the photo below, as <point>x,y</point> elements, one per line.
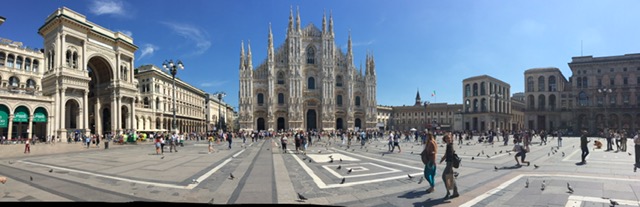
<point>100,95</point>
<point>20,123</point>
<point>311,119</point>
<point>39,126</point>
<point>261,124</point>
<point>280,124</point>
<point>358,123</point>
<point>339,124</point>
<point>72,114</point>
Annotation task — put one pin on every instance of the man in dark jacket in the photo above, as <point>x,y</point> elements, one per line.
<point>584,146</point>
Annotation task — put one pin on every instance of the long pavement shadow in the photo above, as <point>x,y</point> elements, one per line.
<point>413,194</point>
<point>431,202</point>
<point>510,167</point>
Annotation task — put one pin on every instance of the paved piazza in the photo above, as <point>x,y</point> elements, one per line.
<point>264,174</point>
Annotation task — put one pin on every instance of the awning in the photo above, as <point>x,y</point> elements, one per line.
<point>4,116</point>
<point>40,115</point>
<point>21,114</point>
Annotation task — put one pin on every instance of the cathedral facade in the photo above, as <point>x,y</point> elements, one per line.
<point>307,83</point>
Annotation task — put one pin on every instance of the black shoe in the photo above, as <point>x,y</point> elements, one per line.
<point>455,195</point>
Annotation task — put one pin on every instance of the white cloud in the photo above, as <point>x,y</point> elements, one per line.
<point>127,32</point>
<point>148,50</point>
<point>356,44</point>
<point>114,7</point>
<point>212,84</point>
<point>199,37</point>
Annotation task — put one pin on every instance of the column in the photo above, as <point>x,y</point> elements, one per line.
<point>114,111</point>
<point>49,132</point>
<point>10,126</point>
<point>133,114</point>
<point>62,109</point>
<point>56,113</point>
<point>30,129</point>
<point>62,53</point>
<point>98,117</point>
<point>85,112</point>
<point>119,111</point>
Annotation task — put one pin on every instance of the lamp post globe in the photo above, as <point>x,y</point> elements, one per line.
<point>173,70</point>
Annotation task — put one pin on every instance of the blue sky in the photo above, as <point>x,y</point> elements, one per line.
<point>418,45</point>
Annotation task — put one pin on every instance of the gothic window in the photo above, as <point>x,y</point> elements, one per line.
<point>311,83</point>
<point>74,64</point>
<point>530,84</point>
<point>14,82</point>
<point>27,64</point>
<point>339,81</point>
<point>311,55</point>
<point>280,77</point>
<point>19,62</point>
<point>31,84</point>
<point>552,84</point>
<point>339,100</point>
<point>583,99</point>
<point>260,99</point>
<point>280,98</point>
<point>358,101</point>
<point>68,58</point>
<point>482,89</point>
<point>475,89</point>
<point>10,60</point>
<point>467,90</point>
<point>541,84</point>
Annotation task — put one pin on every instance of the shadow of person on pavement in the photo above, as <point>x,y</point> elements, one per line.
<point>510,167</point>
<point>431,202</point>
<point>413,194</point>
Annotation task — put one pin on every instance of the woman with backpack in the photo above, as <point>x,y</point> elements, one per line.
<point>447,174</point>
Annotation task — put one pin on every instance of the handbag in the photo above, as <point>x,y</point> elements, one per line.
<point>456,160</point>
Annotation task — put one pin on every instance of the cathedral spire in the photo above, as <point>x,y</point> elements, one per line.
<point>249,61</point>
<point>290,28</point>
<point>298,19</point>
<point>270,49</point>
<point>331,22</point>
<point>349,45</point>
<point>324,22</point>
<point>242,55</point>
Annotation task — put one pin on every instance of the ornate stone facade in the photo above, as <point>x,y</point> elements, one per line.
<point>307,83</point>
<point>487,104</point>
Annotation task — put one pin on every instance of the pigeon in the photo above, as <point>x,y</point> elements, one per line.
<point>340,159</point>
<point>526,184</point>
<point>231,176</point>
<point>543,185</point>
<point>613,203</point>
<point>483,152</point>
<point>304,158</point>
<point>509,153</point>
<point>30,178</point>
<point>342,182</point>
<point>339,167</point>
<point>10,162</point>
<point>301,197</point>
<point>309,160</point>
<point>383,154</point>
<point>421,179</point>
<point>488,156</point>
<point>495,167</point>
<point>478,155</point>
<point>569,188</point>
<point>629,153</point>
<point>535,166</point>
<point>411,152</point>
<point>162,157</point>
<point>50,170</point>
<point>211,201</point>
<point>495,153</point>
<point>194,181</point>
<point>472,158</point>
<point>330,156</point>
<point>410,177</point>
<point>350,170</point>
<point>500,152</point>
<point>562,154</point>
<point>331,161</point>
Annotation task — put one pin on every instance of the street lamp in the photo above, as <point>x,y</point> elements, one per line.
<point>605,92</point>
<point>173,69</point>
<point>426,120</point>
<point>220,95</point>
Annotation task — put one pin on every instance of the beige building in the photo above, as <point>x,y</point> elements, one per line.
<point>603,92</point>
<point>307,83</point>
<point>384,117</point>
<point>487,104</point>
<point>82,81</point>
<point>518,109</point>
<point>423,115</point>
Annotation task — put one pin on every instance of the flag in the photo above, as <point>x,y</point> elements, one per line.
<point>434,93</point>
